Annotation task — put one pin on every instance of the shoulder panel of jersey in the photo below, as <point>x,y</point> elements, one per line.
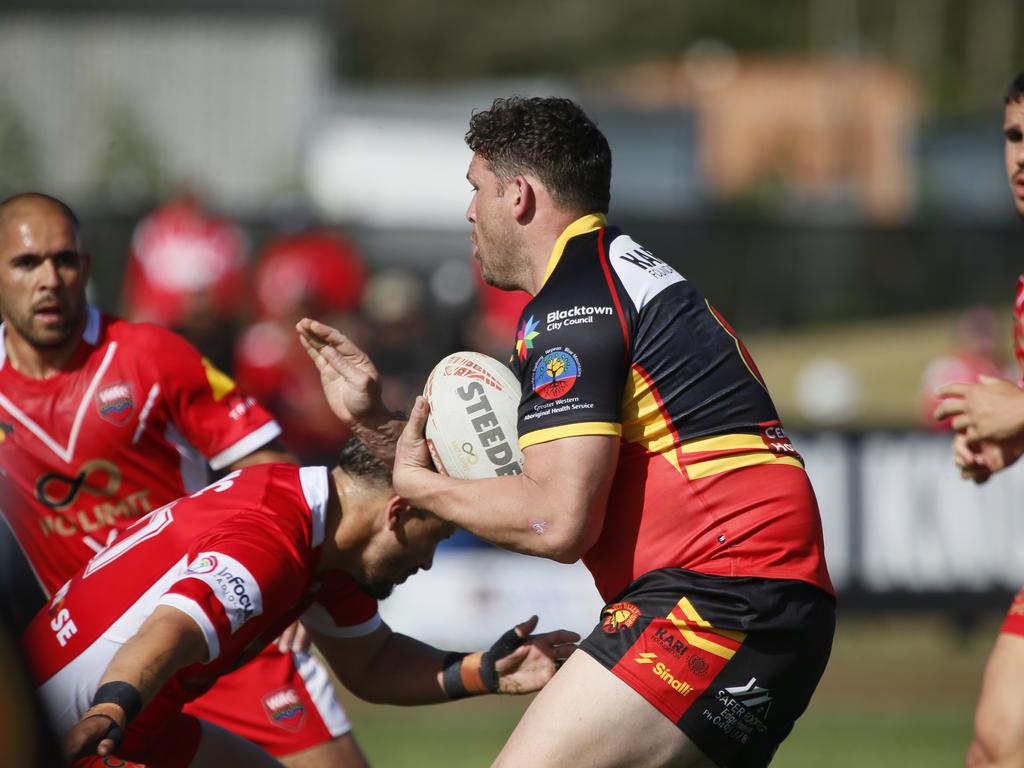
<point>209,410</point>
<point>693,394</point>
<point>572,348</point>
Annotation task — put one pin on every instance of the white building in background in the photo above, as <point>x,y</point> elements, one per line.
<point>104,102</point>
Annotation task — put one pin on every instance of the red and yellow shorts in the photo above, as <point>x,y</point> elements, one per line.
<point>731,661</point>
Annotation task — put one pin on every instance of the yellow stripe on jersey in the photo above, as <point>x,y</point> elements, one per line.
<point>691,613</point>
<point>739,347</point>
<point>581,226</point>
<point>643,421</point>
<point>570,430</point>
<point>220,383</point>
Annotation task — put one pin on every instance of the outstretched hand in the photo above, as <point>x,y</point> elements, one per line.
<point>348,376</point>
<point>991,409</point>
<point>529,667</point>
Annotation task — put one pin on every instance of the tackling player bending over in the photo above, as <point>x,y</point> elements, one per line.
<point>102,421</point>
<point>197,586</point>
<point>652,451</point>
<point>989,421</point>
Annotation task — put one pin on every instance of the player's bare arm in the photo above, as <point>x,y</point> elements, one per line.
<point>391,668</point>
<point>351,384</point>
<point>555,509</point>
<point>166,642</point>
<point>992,409</point>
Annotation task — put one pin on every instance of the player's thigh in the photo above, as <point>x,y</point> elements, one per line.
<point>588,716</point>
<point>999,718</point>
<point>219,748</point>
<point>341,752</point>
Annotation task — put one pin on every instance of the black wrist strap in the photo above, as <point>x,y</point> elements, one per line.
<point>125,695</point>
<point>502,647</point>
<point>451,677</point>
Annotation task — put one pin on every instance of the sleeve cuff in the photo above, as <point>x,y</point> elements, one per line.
<point>192,609</point>
<point>612,429</point>
<point>317,618</point>
<point>254,440</point>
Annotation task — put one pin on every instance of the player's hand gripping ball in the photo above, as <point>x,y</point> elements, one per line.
<point>471,429</point>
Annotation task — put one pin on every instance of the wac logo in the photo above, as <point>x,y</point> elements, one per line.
<point>115,403</point>
<point>98,477</point>
<point>285,709</point>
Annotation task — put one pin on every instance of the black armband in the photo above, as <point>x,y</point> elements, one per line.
<point>124,695</point>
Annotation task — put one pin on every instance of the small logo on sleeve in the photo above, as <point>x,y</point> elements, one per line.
<point>524,338</point>
<point>619,616</point>
<point>555,374</point>
<point>231,583</point>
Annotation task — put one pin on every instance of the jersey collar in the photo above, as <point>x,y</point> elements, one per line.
<point>581,226</point>
<point>91,334</point>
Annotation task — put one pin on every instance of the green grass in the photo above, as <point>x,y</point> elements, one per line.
<point>898,692</point>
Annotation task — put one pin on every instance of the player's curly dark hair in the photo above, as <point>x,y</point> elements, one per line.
<point>356,459</point>
<point>1016,90</point>
<point>552,139</point>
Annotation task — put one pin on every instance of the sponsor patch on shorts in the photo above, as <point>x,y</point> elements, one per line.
<point>285,709</point>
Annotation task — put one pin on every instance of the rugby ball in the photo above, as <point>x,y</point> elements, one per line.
<point>471,430</point>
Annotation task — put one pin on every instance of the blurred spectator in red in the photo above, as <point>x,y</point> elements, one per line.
<point>492,328</point>
<point>317,273</point>
<point>974,355</point>
<point>187,271</point>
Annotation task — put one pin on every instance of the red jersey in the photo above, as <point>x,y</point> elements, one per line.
<point>617,342</point>
<point>119,431</point>
<point>239,557</point>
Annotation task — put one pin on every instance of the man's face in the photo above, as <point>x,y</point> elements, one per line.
<point>492,218</point>
<point>42,276</point>
<point>402,550</point>
<point>1013,135</point>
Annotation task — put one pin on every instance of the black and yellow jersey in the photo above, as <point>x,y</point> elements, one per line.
<point>617,342</point>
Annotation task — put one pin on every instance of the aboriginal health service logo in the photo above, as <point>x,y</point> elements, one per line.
<point>115,403</point>
<point>556,373</point>
<point>205,564</point>
<point>619,616</point>
<point>285,709</point>
<point>524,338</point>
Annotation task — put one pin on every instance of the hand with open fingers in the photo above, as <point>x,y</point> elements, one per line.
<point>969,461</point>
<point>526,662</point>
<point>348,376</point>
<point>991,409</point>
<point>412,456</point>
<point>295,639</point>
<point>95,734</point>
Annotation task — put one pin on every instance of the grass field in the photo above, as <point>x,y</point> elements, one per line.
<point>898,692</point>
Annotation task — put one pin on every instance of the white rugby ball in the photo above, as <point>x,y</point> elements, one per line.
<point>471,430</point>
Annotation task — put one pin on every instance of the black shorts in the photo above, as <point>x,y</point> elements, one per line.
<point>731,661</point>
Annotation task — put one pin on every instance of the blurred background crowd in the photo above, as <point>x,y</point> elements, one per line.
<point>828,171</point>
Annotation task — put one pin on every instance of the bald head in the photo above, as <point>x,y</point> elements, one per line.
<point>33,203</point>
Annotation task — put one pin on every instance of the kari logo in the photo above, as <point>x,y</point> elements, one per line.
<point>285,709</point>
<point>204,564</point>
<point>524,339</point>
<point>555,373</point>
<point>671,642</point>
<point>619,616</point>
<point>115,403</point>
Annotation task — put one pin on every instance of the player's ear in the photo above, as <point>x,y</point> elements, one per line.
<point>523,197</point>
<point>394,510</point>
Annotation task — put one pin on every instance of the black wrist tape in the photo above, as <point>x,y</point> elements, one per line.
<point>125,695</point>
<point>502,647</point>
<point>451,677</point>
